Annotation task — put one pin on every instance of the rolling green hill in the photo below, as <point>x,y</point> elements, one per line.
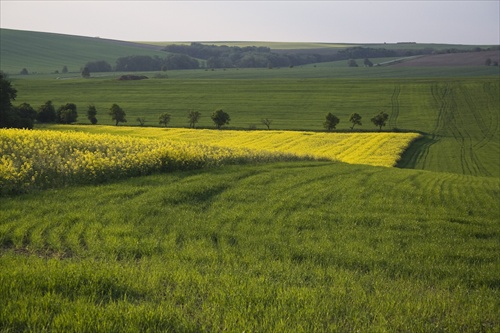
<point>41,52</point>
<point>279,247</point>
<point>290,247</point>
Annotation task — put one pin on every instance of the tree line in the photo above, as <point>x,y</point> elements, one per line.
<point>141,63</point>
<point>224,56</point>
<point>198,55</point>
<point>331,121</point>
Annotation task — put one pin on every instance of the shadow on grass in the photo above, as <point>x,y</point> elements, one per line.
<point>417,151</point>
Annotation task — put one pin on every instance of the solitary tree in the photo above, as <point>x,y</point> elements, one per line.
<point>352,63</point>
<point>46,113</point>
<point>141,120</point>
<point>367,63</point>
<point>91,114</point>
<point>267,122</point>
<point>220,118</point>
<point>66,114</point>
<point>64,69</point>
<point>331,121</point>
<point>24,71</point>
<point>117,114</point>
<point>355,119</point>
<point>86,72</point>
<point>380,120</point>
<point>164,119</point>
<point>193,118</point>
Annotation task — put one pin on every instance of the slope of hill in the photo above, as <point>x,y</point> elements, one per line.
<point>47,52</point>
<point>268,248</point>
<point>452,59</point>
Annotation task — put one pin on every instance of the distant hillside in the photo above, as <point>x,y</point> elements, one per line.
<point>44,53</point>
<point>453,59</point>
<point>47,52</point>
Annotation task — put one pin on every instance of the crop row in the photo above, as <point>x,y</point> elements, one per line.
<point>41,159</point>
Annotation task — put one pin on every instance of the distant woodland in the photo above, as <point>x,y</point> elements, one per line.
<point>198,55</point>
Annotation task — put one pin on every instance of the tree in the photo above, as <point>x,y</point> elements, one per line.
<point>117,114</point>
<point>220,118</point>
<point>24,71</point>
<point>164,119</point>
<point>267,122</point>
<point>64,69</point>
<point>91,114</point>
<point>352,63</point>
<point>331,121</point>
<point>26,111</point>
<point>66,114</point>
<point>141,120</point>
<point>380,120</point>
<point>46,113</point>
<point>488,62</point>
<point>193,118</point>
<point>7,94</point>
<point>367,63</point>
<point>86,72</point>
<point>355,119</point>
<point>23,116</point>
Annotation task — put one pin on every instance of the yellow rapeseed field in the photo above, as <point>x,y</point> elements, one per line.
<point>38,159</point>
<point>378,149</point>
<point>47,158</point>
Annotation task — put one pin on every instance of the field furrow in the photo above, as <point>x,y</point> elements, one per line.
<point>395,106</point>
<point>288,242</point>
<point>461,120</point>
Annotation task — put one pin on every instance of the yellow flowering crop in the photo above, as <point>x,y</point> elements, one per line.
<point>39,159</point>
<point>378,149</point>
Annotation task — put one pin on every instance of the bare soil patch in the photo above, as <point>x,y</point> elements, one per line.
<point>452,59</point>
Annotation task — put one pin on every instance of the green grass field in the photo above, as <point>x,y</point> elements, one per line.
<point>40,52</point>
<point>294,247</point>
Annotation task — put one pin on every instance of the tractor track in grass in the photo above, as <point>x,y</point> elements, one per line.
<point>488,131</point>
<point>452,122</point>
<point>393,119</point>
<point>487,135</point>
<point>491,124</point>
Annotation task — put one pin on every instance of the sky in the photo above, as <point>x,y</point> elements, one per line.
<point>473,22</point>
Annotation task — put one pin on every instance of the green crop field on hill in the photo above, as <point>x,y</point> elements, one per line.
<point>227,239</point>
<point>46,53</point>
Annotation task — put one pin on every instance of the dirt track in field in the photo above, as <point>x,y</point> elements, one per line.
<point>452,59</point>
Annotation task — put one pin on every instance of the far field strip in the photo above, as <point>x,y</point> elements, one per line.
<point>377,149</point>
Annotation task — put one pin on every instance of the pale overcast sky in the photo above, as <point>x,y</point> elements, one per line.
<point>423,21</point>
